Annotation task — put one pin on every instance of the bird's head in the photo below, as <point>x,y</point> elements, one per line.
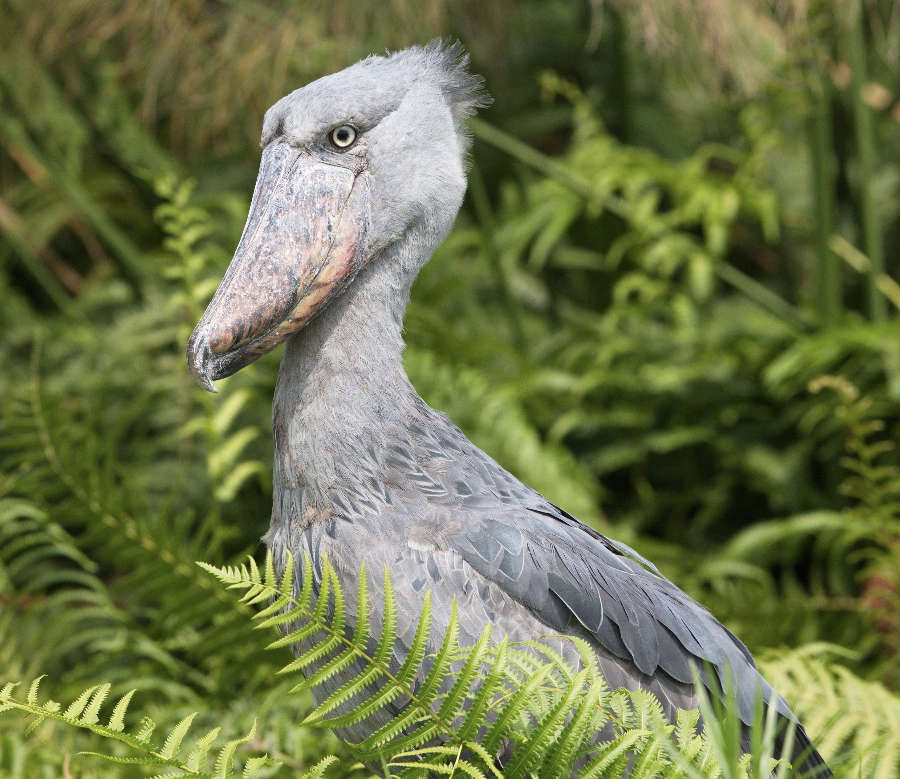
<point>351,164</point>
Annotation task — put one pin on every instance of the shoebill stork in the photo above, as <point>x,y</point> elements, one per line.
<point>362,174</point>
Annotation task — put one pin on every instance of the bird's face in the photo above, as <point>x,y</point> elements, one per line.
<point>351,164</point>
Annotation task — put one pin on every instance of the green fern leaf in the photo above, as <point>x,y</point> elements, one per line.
<point>197,756</point>
<point>253,573</point>
<point>285,588</point>
<point>419,643</point>
<point>117,718</point>
<point>423,766</point>
<point>176,736</point>
<point>32,691</point>
<point>304,599</point>
<point>590,716</point>
<point>388,692</point>
<point>452,702</point>
<point>362,710</point>
<point>225,760</point>
<point>528,693</point>
<point>330,668</point>
<point>143,760</point>
<point>686,728</point>
<point>34,724</point>
<point>487,759</point>
<point>91,714</point>
<point>441,665</point>
<point>339,615</point>
<point>425,730</point>
<point>542,736</point>
<point>323,599</point>
<point>318,770</point>
<point>390,734</point>
<point>352,652</point>
<point>609,754</point>
<point>481,703</point>
<point>423,697</point>
<point>297,636</point>
<point>516,704</point>
<point>269,577</point>
<point>312,656</point>
<point>276,613</point>
<point>256,764</point>
<point>549,654</point>
<point>145,730</point>
<point>647,764</point>
<point>385,649</point>
<point>361,631</point>
<point>454,763</point>
<point>77,706</point>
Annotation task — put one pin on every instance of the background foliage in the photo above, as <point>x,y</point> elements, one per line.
<point>668,304</point>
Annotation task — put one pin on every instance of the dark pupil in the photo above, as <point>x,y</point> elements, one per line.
<point>343,135</point>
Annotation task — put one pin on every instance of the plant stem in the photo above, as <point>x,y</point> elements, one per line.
<point>822,147</point>
<point>485,216</point>
<point>865,147</point>
<point>761,295</point>
<point>846,251</point>
<point>521,151</point>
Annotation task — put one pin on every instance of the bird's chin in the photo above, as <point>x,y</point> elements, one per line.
<point>207,367</point>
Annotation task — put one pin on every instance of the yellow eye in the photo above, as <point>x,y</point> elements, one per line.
<point>343,136</point>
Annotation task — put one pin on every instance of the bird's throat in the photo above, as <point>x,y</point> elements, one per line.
<point>342,392</point>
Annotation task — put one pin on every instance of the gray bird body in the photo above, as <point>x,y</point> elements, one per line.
<point>364,470</point>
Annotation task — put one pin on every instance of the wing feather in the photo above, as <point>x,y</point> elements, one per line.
<point>568,575</point>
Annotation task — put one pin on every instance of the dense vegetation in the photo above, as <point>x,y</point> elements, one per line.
<point>667,304</point>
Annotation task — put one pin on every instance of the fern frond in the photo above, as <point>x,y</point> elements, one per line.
<point>856,722</point>
<point>318,770</point>
<point>93,567</point>
<point>615,753</point>
<point>461,705</point>
<point>224,761</point>
<point>544,735</point>
<point>197,755</point>
<point>517,703</point>
<point>117,718</point>
<point>588,719</point>
<point>84,713</point>
<point>176,736</point>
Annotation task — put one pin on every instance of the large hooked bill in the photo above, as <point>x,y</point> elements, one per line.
<point>302,243</point>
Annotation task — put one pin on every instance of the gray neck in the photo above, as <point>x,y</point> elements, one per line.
<point>342,392</point>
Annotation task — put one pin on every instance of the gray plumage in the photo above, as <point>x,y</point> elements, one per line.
<point>364,470</point>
